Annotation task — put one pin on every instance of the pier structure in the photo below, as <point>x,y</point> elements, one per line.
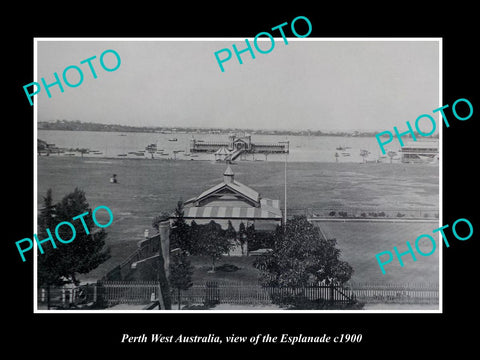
<point>236,146</point>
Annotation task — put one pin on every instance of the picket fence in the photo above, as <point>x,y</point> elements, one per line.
<point>115,292</point>
<point>219,292</point>
<point>414,293</point>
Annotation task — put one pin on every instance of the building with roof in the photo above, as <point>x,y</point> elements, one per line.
<point>420,152</point>
<point>230,200</point>
<point>236,146</point>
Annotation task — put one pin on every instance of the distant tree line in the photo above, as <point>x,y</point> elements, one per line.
<point>77,125</point>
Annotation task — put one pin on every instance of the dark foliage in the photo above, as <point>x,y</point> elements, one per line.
<point>301,256</point>
<point>61,265</point>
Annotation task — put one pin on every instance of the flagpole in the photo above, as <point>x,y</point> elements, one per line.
<point>285,215</point>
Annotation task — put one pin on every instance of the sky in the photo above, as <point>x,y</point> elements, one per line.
<point>311,83</point>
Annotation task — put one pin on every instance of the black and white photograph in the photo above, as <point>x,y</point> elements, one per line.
<point>213,181</point>
<point>262,187</point>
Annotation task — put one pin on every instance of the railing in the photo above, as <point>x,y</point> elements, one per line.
<point>234,155</point>
<point>148,248</point>
<point>68,296</point>
<point>120,292</point>
<point>362,213</point>
<point>110,293</point>
<point>129,292</point>
<point>396,293</point>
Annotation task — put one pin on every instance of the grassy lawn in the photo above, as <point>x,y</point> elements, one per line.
<point>147,188</point>
<point>360,242</point>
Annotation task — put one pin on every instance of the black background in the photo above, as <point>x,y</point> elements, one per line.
<point>383,334</point>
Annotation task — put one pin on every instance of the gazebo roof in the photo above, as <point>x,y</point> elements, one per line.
<point>222,151</point>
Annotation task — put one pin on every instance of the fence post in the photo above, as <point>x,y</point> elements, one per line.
<point>100,294</point>
<point>331,294</point>
<point>211,293</point>
<point>94,293</point>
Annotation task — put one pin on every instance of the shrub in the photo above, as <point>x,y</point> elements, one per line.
<point>300,302</point>
<point>332,213</point>
<point>300,243</point>
<point>228,268</point>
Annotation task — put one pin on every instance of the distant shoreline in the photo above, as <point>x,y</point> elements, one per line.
<point>182,146</point>
<point>96,127</point>
<point>271,160</point>
<point>79,126</point>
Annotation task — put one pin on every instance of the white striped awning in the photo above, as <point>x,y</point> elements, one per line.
<point>231,212</point>
<point>270,202</point>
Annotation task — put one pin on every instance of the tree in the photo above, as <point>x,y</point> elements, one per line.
<point>180,274</point>
<point>48,273</point>
<point>151,149</point>
<point>250,232</point>
<point>83,151</point>
<point>61,265</point>
<point>301,256</point>
<point>87,251</point>
<point>158,219</point>
<point>210,240</point>
<point>180,236</point>
<point>242,237</point>
<point>364,154</point>
<point>231,234</point>
<point>250,237</point>
<point>391,154</point>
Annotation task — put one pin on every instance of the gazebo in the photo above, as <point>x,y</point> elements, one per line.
<point>221,154</point>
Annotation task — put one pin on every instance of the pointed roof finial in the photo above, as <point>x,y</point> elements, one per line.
<point>228,175</point>
<point>228,171</point>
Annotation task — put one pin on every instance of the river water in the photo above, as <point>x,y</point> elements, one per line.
<point>131,145</point>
